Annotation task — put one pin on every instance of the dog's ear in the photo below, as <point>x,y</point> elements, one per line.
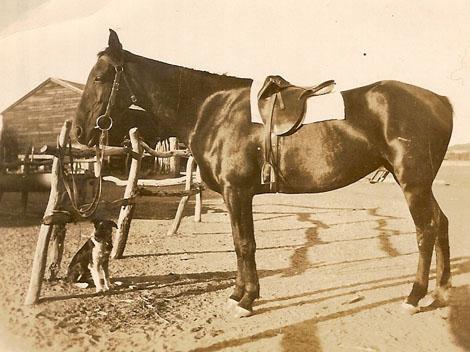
<point>96,223</point>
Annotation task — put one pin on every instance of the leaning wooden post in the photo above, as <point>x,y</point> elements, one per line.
<point>40,256</point>
<point>179,213</point>
<point>198,205</point>
<point>56,245</point>
<point>127,211</point>
<point>56,250</point>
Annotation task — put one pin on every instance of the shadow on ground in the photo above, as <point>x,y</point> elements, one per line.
<point>459,315</point>
<point>296,337</point>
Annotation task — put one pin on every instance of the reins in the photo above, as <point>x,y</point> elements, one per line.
<point>83,211</point>
<point>103,123</point>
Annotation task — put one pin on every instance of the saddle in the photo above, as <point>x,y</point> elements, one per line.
<point>282,107</point>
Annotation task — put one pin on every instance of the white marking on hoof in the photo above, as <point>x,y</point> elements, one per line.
<point>242,312</point>
<point>444,313</point>
<point>443,294</point>
<point>231,304</point>
<point>435,300</point>
<point>409,308</point>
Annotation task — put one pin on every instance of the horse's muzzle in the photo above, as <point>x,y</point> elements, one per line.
<point>78,132</point>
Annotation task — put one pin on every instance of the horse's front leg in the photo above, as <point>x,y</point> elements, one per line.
<point>240,207</point>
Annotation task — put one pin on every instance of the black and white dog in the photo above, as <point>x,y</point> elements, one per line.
<point>91,261</point>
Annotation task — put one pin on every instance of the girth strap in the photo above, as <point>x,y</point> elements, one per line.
<point>268,171</point>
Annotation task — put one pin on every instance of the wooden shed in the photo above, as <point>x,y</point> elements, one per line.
<point>36,118</point>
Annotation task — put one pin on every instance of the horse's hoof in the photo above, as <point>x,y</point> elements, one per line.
<point>242,312</point>
<point>437,299</point>
<point>231,304</point>
<point>443,294</point>
<point>409,308</point>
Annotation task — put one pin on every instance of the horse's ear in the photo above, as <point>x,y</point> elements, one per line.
<point>114,44</point>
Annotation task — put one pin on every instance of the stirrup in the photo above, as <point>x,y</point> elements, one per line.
<point>268,175</point>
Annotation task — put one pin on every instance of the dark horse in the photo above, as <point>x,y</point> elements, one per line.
<point>129,118</point>
<point>402,127</point>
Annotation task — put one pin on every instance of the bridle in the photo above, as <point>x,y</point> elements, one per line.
<point>103,123</point>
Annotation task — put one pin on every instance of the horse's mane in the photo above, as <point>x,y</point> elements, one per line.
<point>131,57</point>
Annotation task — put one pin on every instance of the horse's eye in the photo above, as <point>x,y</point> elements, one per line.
<point>99,79</point>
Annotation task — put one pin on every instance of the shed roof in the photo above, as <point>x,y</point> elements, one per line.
<point>73,86</point>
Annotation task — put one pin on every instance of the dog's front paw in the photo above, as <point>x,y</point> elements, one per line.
<point>81,284</point>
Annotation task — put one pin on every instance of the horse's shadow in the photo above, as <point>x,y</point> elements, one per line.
<point>459,296</point>
<point>294,337</point>
<point>303,335</point>
<point>214,281</point>
<point>120,285</point>
<point>298,263</point>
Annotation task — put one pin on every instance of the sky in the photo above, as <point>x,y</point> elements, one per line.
<point>12,10</point>
<point>355,42</point>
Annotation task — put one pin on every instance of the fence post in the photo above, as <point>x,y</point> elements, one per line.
<point>179,213</point>
<point>127,211</point>
<point>56,250</point>
<point>40,255</point>
<point>56,246</point>
<point>198,205</point>
<point>156,161</point>
<point>175,161</point>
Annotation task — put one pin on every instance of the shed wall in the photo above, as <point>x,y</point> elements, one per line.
<point>37,120</point>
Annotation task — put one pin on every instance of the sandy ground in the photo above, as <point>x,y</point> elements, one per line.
<point>333,267</point>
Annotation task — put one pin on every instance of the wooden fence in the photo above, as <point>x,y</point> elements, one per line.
<point>55,218</point>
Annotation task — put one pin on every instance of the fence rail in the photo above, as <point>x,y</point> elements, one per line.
<point>56,217</point>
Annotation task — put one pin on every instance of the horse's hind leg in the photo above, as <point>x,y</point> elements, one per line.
<point>443,276</point>
<point>239,204</point>
<point>431,224</point>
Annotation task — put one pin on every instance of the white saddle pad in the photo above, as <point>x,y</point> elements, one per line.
<point>319,108</point>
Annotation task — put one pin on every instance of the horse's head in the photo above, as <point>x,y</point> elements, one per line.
<point>107,93</point>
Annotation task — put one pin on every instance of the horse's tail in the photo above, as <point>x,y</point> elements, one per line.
<point>446,101</point>
<point>448,116</point>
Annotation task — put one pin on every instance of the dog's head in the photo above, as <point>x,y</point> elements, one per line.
<point>103,230</point>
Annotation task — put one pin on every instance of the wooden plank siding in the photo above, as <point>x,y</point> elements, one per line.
<point>37,119</point>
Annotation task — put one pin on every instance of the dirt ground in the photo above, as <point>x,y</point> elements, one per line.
<point>333,268</point>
